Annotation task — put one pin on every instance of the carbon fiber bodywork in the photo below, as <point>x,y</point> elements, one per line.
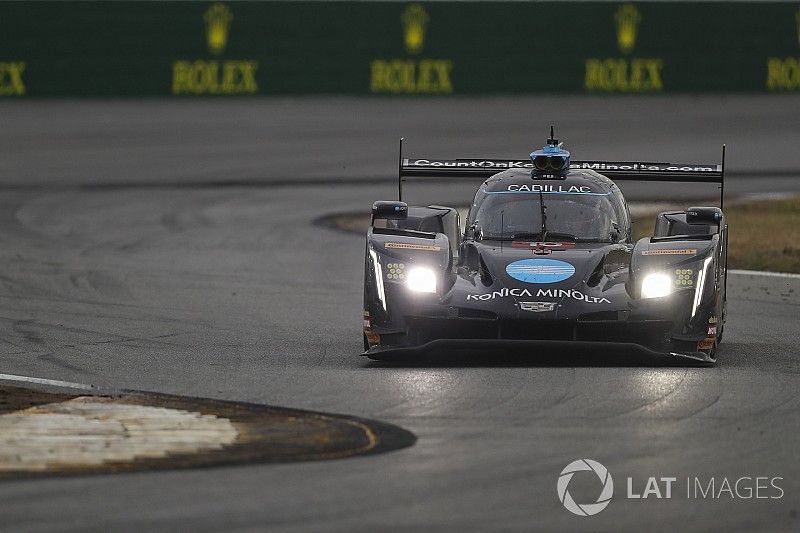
<point>538,296</point>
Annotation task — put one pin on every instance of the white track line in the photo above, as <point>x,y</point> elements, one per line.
<point>766,274</point>
<point>42,381</point>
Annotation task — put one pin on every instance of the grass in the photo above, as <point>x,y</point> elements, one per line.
<point>763,235</point>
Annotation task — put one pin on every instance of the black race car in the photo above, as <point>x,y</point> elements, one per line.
<point>546,259</point>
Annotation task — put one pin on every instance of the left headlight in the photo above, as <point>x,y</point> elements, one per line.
<point>421,279</point>
<point>656,285</point>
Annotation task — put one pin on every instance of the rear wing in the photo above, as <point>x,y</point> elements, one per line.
<point>614,170</point>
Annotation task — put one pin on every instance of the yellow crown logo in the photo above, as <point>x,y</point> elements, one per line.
<point>627,18</point>
<point>415,21</point>
<point>218,21</point>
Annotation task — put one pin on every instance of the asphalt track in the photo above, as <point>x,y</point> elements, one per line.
<point>162,246</point>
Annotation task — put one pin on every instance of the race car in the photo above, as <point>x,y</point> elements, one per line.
<point>546,260</point>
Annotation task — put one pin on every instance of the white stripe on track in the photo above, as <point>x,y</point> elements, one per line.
<point>765,274</point>
<point>42,381</point>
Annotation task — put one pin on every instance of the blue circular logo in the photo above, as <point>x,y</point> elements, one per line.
<point>540,270</point>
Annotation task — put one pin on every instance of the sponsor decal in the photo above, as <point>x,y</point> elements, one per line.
<point>574,165</point>
<point>712,319</point>
<point>705,344</point>
<point>649,167</point>
<point>622,74</point>
<point>537,187</point>
<point>204,76</point>
<point>218,22</point>
<point>537,307</point>
<point>683,251</point>
<point>395,271</point>
<point>783,73</point>
<point>411,75</point>
<point>546,245</point>
<point>11,81</point>
<point>372,338</point>
<point>573,294</point>
<point>415,22</point>
<point>465,163</point>
<point>214,77</point>
<point>540,270</point>
<point>411,246</point>
<point>712,330</point>
<point>627,19</point>
<point>367,323</point>
<point>505,292</point>
<point>398,76</point>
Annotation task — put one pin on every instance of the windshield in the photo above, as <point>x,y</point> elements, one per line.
<point>579,217</point>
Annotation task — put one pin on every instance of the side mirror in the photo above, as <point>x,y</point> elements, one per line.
<point>616,233</point>
<point>472,231</point>
<point>389,210</point>
<point>703,215</point>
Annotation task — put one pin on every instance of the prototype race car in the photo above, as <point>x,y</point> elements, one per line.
<point>546,259</point>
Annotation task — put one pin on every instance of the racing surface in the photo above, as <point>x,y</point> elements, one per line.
<point>212,281</point>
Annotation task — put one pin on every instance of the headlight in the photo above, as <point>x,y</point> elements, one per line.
<point>656,285</point>
<point>421,279</point>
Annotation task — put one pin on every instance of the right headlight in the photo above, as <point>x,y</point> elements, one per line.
<point>656,285</point>
<point>421,279</point>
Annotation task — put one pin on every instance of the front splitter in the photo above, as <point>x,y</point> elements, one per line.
<point>521,346</point>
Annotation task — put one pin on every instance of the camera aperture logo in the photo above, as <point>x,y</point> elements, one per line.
<point>585,509</point>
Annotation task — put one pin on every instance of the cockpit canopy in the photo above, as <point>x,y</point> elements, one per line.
<point>584,207</point>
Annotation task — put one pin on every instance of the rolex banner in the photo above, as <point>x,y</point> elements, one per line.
<point>187,48</point>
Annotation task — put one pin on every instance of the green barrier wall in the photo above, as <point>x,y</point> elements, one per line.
<point>205,48</point>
